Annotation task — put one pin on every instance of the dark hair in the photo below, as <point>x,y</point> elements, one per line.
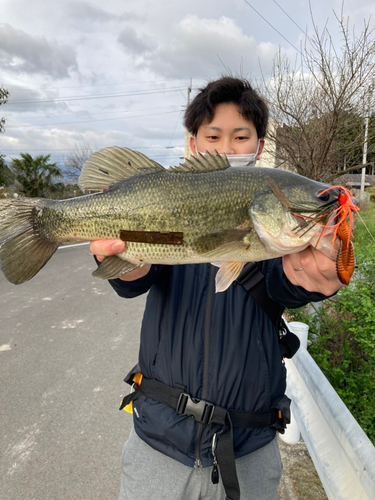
<point>231,90</point>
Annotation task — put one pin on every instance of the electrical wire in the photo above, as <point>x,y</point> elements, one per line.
<point>90,121</point>
<point>73,149</point>
<point>273,27</point>
<point>94,85</point>
<point>48,115</point>
<point>95,96</point>
<point>293,21</point>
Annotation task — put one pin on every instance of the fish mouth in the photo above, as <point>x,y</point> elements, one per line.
<point>308,215</point>
<point>310,212</point>
<point>335,212</point>
<point>339,224</point>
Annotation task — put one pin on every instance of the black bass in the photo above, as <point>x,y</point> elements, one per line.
<point>200,211</point>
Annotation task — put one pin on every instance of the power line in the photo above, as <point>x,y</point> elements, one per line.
<point>273,27</point>
<point>169,157</point>
<point>69,115</point>
<point>293,21</point>
<point>94,85</point>
<point>76,114</point>
<point>96,96</point>
<point>73,149</point>
<point>91,120</point>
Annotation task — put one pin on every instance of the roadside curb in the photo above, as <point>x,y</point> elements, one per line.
<point>299,479</point>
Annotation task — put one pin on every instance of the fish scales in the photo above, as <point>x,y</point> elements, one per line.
<point>195,204</point>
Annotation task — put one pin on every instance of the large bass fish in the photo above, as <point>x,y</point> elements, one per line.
<point>200,211</point>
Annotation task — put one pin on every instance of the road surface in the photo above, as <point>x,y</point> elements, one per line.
<point>66,343</point>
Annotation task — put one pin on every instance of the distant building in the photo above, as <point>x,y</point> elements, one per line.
<point>353,181</point>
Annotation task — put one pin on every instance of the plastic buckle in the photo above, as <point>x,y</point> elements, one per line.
<point>200,410</point>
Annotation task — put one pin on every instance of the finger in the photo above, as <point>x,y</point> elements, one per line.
<point>293,269</point>
<point>325,266</point>
<point>105,248</point>
<point>313,271</point>
<point>328,269</point>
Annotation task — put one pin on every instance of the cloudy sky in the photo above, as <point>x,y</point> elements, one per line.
<point>117,72</point>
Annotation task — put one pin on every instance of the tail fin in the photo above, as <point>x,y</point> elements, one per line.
<point>23,252</point>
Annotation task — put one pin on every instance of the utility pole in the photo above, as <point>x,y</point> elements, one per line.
<point>187,152</point>
<point>364,161</point>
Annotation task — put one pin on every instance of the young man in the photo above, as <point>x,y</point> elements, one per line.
<point>219,349</point>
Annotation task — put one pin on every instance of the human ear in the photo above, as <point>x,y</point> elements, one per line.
<point>260,149</point>
<point>193,145</point>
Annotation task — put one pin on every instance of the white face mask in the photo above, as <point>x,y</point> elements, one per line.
<point>247,160</point>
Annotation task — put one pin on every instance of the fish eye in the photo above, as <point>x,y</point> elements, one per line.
<point>323,195</point>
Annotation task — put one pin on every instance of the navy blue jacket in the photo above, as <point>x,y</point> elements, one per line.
<point>230,358</point>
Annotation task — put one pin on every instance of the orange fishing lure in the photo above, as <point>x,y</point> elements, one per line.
<point>345,262</point>
<point>343,211</point>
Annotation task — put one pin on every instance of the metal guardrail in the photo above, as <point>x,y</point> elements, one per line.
<point>343,455</point>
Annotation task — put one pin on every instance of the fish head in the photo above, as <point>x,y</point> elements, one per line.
<point>292,212</point>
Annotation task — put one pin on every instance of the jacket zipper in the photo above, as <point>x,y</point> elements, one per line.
<point>206,357</point>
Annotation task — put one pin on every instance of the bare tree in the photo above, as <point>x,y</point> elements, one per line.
<point>75,160</point>
<point>319,103</point>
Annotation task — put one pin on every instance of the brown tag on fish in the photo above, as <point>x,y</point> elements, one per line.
<point>154,237</point>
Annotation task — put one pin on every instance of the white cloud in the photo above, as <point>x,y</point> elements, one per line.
<point>87,12</point>
<point>23,53</point>
<point>202,47</point>
<point>133,42</point>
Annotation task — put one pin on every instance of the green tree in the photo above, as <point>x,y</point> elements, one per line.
<point>6,175</point>
<point>36,176</point>
<point>4,94</point>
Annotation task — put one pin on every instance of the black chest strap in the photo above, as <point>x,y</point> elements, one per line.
<point>254,282</point>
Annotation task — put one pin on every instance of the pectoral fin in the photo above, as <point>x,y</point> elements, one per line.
<point>228,273</point>
<point>220,244</point>
<point>113,267</point>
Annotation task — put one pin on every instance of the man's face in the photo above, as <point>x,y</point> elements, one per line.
<point>229,133</point>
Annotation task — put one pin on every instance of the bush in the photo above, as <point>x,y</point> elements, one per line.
<point>345,349</point>
<point>6,192</point>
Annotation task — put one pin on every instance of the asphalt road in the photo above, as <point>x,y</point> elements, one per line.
<point>66,343</point>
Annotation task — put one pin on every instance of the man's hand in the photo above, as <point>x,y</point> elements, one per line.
<point>312,270</point>
<point>105,248</point>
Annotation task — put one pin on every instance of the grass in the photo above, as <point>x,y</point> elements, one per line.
<point>364,231</point>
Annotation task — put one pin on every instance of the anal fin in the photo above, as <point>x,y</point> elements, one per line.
<point>113,267</point>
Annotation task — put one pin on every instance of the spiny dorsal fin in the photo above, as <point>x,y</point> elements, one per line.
<point>202,163</point>
<point>110,165</point>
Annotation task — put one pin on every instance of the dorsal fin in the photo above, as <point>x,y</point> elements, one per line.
<point>110,165</point>
<point>202,163</point>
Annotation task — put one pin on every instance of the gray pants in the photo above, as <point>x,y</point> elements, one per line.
<point>149,475</point>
